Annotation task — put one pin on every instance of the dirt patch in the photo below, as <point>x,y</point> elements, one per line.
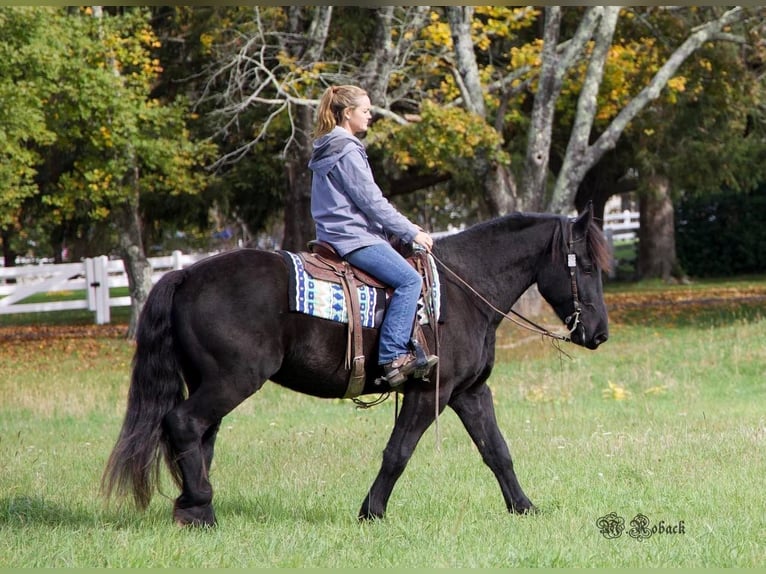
<point>15,333</point>
<point>618,304</point>
<point>688,296</point>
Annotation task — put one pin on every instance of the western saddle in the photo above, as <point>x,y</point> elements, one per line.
<point>323,262</point>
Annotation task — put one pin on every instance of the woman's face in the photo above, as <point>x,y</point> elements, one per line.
<point>357,119</point>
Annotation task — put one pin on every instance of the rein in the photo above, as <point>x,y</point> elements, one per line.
<point>518,319</point>
<point>528,324</point>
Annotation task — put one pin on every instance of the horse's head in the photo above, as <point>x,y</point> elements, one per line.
<point>571,283</point>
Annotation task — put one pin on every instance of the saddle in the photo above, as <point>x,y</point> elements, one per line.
<point>323,262</point>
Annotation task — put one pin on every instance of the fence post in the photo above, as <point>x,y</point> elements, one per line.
<point>177,259</point>
<point>102,274</point>
<point>609,235</point>
<point>97,277</point>
<point>90,280</point>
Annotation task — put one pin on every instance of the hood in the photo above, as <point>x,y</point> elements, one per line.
<point>329,148</point>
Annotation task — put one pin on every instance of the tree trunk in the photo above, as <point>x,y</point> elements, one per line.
<point>576,159</point>
<point>466,71</point>
<point>581,155</point>
<point>499,183</point>
<point>137,266</point>
<point>9,254</point>
<point>299,224</point>
<point>555,63</point>
<point>540,130</point>
<point>657,246</point>
<point>376,73</point>
<point>500,190</point>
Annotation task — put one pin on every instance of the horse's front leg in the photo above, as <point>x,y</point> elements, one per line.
<point>416,416</point>
<point>477,411</point>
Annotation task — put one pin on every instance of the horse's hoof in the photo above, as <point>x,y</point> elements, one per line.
<point>367,515</point>
<point>196,516</point>
<point>524,509</point>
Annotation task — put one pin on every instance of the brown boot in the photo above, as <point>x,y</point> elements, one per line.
<point>398,370</point>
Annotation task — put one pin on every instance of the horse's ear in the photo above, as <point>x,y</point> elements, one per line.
<point>582,223</point>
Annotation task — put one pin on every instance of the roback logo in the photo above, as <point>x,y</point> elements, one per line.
<point>612,526</point>
<point>640,528</point>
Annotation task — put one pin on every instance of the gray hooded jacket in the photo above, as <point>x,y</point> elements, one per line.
<point>348,207</point>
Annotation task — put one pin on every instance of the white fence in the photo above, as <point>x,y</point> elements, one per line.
<point>622,225</point>
<point>96,276</point>
<point>93,276</point>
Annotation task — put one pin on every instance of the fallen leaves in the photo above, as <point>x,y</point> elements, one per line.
<point>687,305</point>
<point>16,333</point>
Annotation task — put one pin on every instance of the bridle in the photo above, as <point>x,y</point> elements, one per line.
<point>572,264</point>
<point>521,320</point>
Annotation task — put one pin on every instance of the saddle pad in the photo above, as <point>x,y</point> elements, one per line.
<point>325,299</point>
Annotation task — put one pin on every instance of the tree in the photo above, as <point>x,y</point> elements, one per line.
<point>702,136</point>
<point>588,141</point>
<point>98,156</point>
<point>280,60</point>
<point>28,68</point>
<point>456,87</point>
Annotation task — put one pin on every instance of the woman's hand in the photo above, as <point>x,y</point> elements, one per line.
<point>424,240</point>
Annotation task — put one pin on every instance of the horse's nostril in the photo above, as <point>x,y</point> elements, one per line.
<point>600,338</point>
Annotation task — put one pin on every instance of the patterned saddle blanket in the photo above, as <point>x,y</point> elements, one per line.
<point>325,298</point>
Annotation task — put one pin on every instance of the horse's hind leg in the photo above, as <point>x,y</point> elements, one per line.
<point>185,433</point>
<point>416,416</point>
<point>477,411</point>
<point>191,429</point>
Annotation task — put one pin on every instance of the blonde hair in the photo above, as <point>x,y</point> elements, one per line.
<point>334,100</point>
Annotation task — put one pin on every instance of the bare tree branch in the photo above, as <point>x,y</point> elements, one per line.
<point>585,156</point>
<point>466,72</point>
<point>557,58</point>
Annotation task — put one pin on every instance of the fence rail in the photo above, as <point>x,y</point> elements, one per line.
<point>96,276</point>
<point>93,276</point>
<point>622,225</point>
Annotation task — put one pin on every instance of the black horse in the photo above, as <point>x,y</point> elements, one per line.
<point>221,328</point>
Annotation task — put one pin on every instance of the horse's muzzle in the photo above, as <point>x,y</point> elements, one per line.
<point>599,338</point>
<point>579,337</point>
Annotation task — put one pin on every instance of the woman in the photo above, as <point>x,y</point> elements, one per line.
<point>352,215</point>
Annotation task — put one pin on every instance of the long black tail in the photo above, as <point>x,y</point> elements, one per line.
<point>156,387</point>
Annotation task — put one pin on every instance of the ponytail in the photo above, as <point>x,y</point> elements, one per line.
<point>334,100</point>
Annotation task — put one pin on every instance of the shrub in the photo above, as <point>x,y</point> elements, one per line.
<point>723,234</point>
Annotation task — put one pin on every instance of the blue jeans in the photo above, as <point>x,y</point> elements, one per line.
<point>384,263</point>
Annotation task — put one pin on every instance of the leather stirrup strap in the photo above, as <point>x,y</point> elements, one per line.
<point>354,342</point>
<point>423,266</point>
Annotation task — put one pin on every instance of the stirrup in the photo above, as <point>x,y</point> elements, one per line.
<point>405,366</point>
<point>424,362</point>
<point>424,367</point>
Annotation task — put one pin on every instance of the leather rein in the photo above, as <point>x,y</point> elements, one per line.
<point>524,322</point>
<point>518,319</point>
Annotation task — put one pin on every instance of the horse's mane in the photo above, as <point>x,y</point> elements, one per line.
<point>598,248</point>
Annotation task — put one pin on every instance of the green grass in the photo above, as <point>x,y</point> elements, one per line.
<point>666,420</point>
<point>625,255</point>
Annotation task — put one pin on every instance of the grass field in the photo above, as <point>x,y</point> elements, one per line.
<point>666,421</point>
